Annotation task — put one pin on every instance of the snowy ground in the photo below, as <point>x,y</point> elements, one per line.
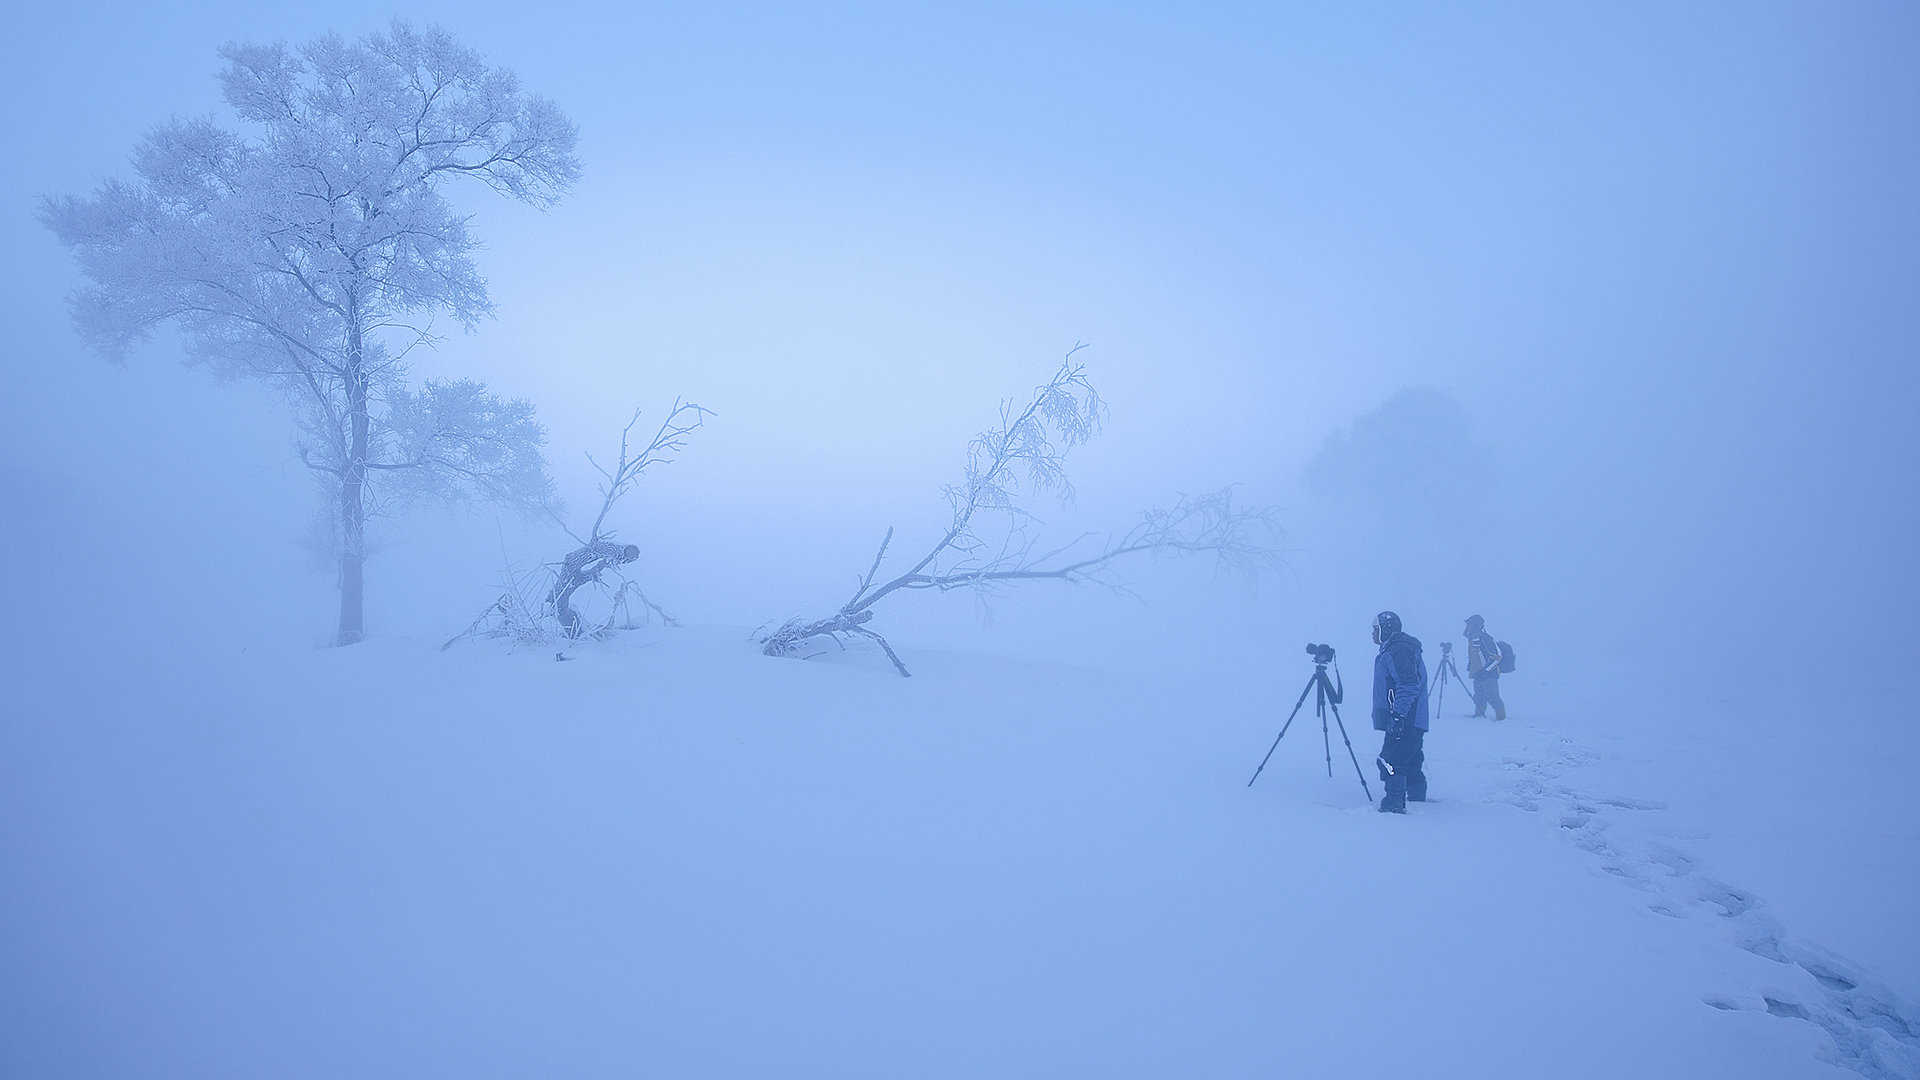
<point>671,856</point>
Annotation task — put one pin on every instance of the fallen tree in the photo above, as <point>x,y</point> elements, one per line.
<point>1025,455</point>
<point>537,608</point>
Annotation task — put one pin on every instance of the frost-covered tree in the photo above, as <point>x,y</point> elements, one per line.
<point>317,250</point>
<point>537,607</point>
<point>991,541</point>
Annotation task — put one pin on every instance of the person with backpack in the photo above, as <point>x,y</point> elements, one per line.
<point>1400,710</point>
<point>1486,659</point>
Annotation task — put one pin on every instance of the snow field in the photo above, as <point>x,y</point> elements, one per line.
<point>672,856</point>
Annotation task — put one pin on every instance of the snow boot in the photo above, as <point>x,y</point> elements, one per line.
<point>1388,807</point>
<point>1500,712</point>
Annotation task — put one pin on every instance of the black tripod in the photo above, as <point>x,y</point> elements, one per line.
<point>1440,672</point>
<point>1326,695</point>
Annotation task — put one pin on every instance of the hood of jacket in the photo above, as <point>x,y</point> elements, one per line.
<point>1400,640</point>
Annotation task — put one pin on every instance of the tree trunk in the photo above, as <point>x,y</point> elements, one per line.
<point>584,565</point>
<point>353,510</point>
<point>353,556</point>
<point>352,592</point>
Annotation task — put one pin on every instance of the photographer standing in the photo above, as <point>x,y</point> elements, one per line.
<point>1483,667</point>
<point>1400,710</point>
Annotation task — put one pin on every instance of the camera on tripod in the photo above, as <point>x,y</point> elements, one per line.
<point>1327,695</point>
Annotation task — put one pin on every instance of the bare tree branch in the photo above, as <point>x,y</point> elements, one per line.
<point>1025,454</point>
<point>681,421</point>
<point>596,558</point>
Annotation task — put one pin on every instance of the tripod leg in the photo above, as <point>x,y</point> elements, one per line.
<point>1320,706</point>
<point>1283,731</point>
<point>1458,679</point>
<point>1353,757</point>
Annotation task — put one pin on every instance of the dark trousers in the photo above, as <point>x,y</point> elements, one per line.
<point>1402,761</point>
<point>1486,691</point>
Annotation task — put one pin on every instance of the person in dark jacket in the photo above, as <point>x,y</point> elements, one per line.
<point>1400,710</point>
<point>1483,667</point>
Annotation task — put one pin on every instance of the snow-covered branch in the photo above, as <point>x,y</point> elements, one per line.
<point>596,560</point>
<point>668,441</point>
<point>1025,454</point>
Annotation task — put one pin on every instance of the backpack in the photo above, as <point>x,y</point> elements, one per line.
<point>1506,657</point>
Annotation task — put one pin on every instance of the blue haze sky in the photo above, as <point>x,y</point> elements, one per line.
<point>1660,256</point>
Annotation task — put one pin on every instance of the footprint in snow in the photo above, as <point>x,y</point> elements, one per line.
<point>1677,863</point>
<point>1732,902</point>
<point>1874,1051</point>
<point>1873,1032</point>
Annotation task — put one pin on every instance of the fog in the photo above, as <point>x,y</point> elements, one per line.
<point>1656,264</point>
<point>1595,322</point>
